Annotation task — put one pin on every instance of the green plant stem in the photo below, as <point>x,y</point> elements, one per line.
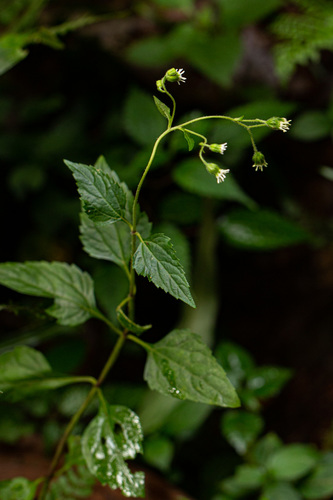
<point>69,429</point>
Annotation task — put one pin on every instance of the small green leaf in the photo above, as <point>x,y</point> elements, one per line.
<point>113,436</point>
<point>11,51</point>
<point>163,108</point>
<point>311,126</point>
<point>104,199</point>
<point>126,322</point>
<point>279,491</point>
<point>189,140</point>
<point>266,447</point>
<point>192,176</point>
<point>182,366</point>
<point>71,288</point>
<point>260,230</point>
<point>320,483</point>
<point>236,361</point>
<point>241,429</point>
<point>156,259</point>
<point>267,381</point>
<point>18,488</point>
<point>291,462</point>
<point>24,371</point>
<point>110,242</point>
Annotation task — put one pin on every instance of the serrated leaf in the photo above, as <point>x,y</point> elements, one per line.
<point>156,259</point>
<point>192,176</point>
<point>24,371</point>
<point>241,429</point>
<point>126,322</point>
<point>110,242</point>
<point>105,449</point>
<point>71,288</point>
<point>291,462</point>
<point>182,366</point>
<point>163,108</point>
<point>320,483</point>
<point>260,230</point>
<point>18,488</point>
<point>189,140</point>
<point>103,198</point>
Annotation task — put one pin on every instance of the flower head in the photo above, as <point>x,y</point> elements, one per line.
<point>219,173</point>
<point>159,85</point>
<point>218,148</point>
<point>279,123</point>
<point>175,75</point>
<point>259,161</point>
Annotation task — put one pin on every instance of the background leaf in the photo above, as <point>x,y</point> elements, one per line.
<point>156,259</point>
<point>292,461</point>
<point>71,288</point>
<point>18,488</point>
<point>105,449</point>
<point>163,108</point>
<point>320,483</point>
<point>182,366</point>
<point>241,429</point>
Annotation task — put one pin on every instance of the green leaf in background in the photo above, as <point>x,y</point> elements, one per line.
<point>320,482</point>
<point>159,451</point>
<point>182,366</point>
<point>126,322</point>
<point>108,242</point>
<point>141,121</point>
<point>279,491</point>
<point>241,13</point>
<point>71,288</point>
<point>156,259</point>
<point>265,447</point>
<point>179,242</point>
<point>163,108</point>
<point>113,436</point>
<point>236,361</point>
<point>267,381</point>
<point>241,429</point>
<point>247,478</point>
<point>189,140</point>
<point>11,51</point>
<point>291,462</point>
<point>103,198</point>
<point>311,126</point>
<point>24,371</point>
<point>260,230</point>
<point>18,488</point>
<point>192,176</point>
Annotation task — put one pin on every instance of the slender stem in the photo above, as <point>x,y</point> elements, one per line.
<point>69,429</point>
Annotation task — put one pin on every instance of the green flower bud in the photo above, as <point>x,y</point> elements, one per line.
<point>175,75</point>
<point>219,173</point>
<point>217,148</point>
<point>279,123</point>
<point>159,85</point>
<point>259,161</point>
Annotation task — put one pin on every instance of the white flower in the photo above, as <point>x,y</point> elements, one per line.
<point>279,123</point>
<point>259,161</point>
<point>221,175</point>
<point>218,148</point>
<point>175,75</point>
<point>180,75</point>
<point>284,124</point>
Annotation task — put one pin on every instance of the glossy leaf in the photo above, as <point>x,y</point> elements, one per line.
<point>18,488</point>
<point>163,108</point>
<point>104,199</point>
<point>241,429</point>
<point>320,483</point>
<point>260,230</point>
<point>192,176</point>
<point>182,366</point>
<point>292,462</point>
<point>110,242</point>
<point>71,288</point>
<point>24,371</point>
<point>113,436</point>
<point>267,381</point>
<point>156,259</point>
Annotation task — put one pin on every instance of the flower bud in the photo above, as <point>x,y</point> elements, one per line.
<point>175,75</point>
<point>217,148</point>
<point>279,123</point>
<point>259,161</point>
<point>159,85</point>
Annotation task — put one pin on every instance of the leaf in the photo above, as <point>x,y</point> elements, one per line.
<point>192,176</point>
<point>110,242</point>
<point>103,198</point>
<point>182,366</point>
<point>267,381</point>
<point>156,259</point>
<point>163,108</point>
<point>71,288</point>
<point>11,51</point>
<point>278,491</point>
<point>311,126</point>
<point>260,230</point>
<point>291,462</point>
<point>236,361</point>
<point>320,483</point>
<point>266,447</point>
<point>126,322</point>
<point>141,121</point>
<point>189,139</point>
<point>24,371</point>
<point>241,429</point>
<point>18,488</point>
<point>246,479</point>
<point>113,436</point>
